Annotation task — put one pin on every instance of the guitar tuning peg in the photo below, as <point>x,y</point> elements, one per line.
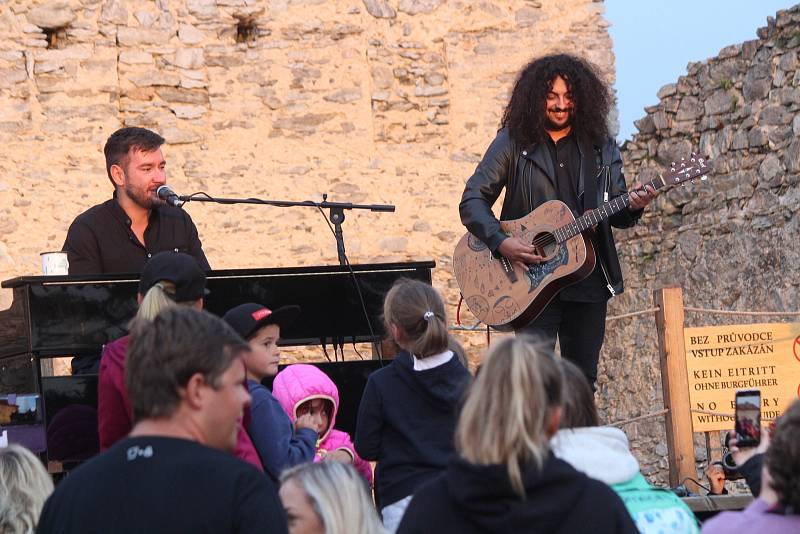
<point>704,178</point>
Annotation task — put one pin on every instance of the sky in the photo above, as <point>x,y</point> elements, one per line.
<point>654,40</point>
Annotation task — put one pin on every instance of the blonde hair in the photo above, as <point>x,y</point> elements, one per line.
<point>157,299</point>
<point>338,495</point>
<point>24,487</point>
<point>417,310</point>
<point>505,416</point>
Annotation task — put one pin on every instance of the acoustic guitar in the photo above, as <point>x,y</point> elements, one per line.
<point>504,295</point>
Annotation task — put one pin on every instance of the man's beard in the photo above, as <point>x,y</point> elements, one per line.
<point>553,127</point>
<point>142,197</point>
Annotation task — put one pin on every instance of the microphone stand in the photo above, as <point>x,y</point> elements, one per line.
<point>336,211</point>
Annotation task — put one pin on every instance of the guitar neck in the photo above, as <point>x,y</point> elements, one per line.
<point>601,213</point>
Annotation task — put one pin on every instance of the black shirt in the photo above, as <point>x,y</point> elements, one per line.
<point>100,240</point>
<point>567,164</point>
<point>159,484</point>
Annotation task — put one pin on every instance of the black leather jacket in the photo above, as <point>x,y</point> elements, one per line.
<point>529,178</point>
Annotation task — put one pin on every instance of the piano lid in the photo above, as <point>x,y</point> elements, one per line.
<point>78,314</point>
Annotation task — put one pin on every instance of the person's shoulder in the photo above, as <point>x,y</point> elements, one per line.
<point>503,139</point>
<point>90,216</point>
<point>259,391</point>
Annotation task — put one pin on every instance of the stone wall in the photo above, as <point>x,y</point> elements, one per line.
<point>730,242</point>
<point>374,101</point>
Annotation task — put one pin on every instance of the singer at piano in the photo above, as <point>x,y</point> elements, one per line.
<point>121,234</point>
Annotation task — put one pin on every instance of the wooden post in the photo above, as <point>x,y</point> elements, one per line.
<point>675,384</point>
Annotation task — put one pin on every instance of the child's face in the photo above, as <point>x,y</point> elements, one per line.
<point>264,356</point>
<point>319,410</point>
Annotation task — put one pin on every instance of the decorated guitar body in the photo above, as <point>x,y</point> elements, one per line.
<point>506,296</point>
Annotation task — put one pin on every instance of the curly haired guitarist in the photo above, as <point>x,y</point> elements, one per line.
<point>554,144</point>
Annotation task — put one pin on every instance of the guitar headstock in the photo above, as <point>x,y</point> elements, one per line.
<point>695,166</point>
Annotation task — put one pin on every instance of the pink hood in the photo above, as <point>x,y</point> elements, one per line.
<point>300,382</point>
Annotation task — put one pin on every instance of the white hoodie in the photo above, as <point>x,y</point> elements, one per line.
<point>600,452</point>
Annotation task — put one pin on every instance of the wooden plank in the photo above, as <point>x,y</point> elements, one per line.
<point>714,446</point>
<point>674,383</point>
<point>717,503</point>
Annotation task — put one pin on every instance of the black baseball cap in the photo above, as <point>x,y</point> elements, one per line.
<point>248,318</point>
<point>178,268</point>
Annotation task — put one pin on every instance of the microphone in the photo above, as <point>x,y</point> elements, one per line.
<point>169,196</point>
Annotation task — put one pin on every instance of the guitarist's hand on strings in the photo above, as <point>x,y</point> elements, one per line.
<point>640,197</point>
<point>518,252</point>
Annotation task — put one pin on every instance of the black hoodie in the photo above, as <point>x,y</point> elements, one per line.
<point>406,421</point>
<point>470,498</point>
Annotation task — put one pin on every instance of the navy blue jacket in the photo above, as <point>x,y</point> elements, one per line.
<point>273,435</point>
<point>406,421</point>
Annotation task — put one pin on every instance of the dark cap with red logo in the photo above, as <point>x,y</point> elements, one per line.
<point>248,318</point>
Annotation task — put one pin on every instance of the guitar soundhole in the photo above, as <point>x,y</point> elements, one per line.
<point>545,245</point>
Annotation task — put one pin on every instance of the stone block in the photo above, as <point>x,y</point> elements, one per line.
<point>344,96</point>
<point>690,109</point>
<point>380,9</point>
<point>757,137</point>
<point>172,95</point>
<point>187,111</point>
<point>155,78</point>
<point>114,12</point>
<point>189,58</point>
<point>178,136</point>
<point>667,90</point>
<point>662,120</point>
<point>791,157</point>
<point>769,171</point>
<point>136,37</point>
<point>189,34</point>
<point>417,7</point>
<point>202,9</point>
<point>527,16</point>
<point>135,57</point>
<point>51,15</point>
<point>740,141</point>
<point>775,115</point>
<point>719,102</point>
<point>393,243</point>
<point>788,61</point>
<point>754,89</point>
<point>427,90</point>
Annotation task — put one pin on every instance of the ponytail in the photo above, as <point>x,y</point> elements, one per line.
<point>157,299</point>
<point>417,310</point>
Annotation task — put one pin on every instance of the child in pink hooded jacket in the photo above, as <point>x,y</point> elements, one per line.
<point>302,388</point>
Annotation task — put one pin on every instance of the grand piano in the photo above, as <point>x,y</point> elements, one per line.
<point>74,316</point>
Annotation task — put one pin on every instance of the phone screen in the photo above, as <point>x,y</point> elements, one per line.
<point>748,418</point>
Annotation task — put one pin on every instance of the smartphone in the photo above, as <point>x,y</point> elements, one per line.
<point>748,418</point>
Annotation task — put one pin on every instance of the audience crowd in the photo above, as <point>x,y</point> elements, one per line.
<point>194,441</point>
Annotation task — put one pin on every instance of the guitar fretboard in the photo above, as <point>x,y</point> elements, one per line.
<point>601,213</point>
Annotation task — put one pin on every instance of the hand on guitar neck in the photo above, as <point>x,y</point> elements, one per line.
<point>517,251</point>
<point>640,196</point>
